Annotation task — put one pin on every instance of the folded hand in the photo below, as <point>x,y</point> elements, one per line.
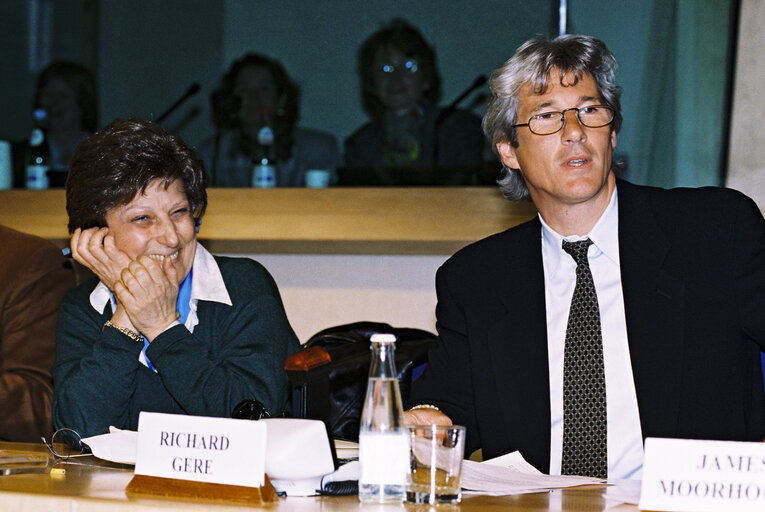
<point>148,290</point>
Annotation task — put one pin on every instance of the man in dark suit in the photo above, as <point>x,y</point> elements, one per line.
<point>679,277</point>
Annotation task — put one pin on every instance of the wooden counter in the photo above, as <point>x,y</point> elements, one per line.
<point>329,221</point>
<point>89,485</point>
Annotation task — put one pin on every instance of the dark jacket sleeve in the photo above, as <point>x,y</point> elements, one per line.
<point>34,277</point>
<point>235,352</point>
<point>749,250</point>
<point>252,339</point>
<point>447,380</point>
<point>95,371</point>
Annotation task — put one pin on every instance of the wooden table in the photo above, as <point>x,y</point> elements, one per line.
<point>412,220</point>
<point>92,485</point>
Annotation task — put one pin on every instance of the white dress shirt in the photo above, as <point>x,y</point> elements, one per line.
<point>625,441</point>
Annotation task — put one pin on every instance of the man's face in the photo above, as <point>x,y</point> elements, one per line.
<point>571,166</point>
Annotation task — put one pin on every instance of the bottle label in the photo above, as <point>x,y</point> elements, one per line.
<point>264,176</point>
<point>384,458</point>
<point>37,177</point>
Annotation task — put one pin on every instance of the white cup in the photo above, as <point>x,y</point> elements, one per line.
<point>6,167</point>
<point>317,178</point>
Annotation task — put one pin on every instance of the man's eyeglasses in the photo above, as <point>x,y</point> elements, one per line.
<point>408,67</point>
<point>591,116</point>
<point>66,443</point>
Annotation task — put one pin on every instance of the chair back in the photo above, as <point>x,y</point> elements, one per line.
<point>329,374</point>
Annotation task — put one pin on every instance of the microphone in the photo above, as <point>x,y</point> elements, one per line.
<point>191,91</point>
<point>451,107</point>
<point>449,110</point>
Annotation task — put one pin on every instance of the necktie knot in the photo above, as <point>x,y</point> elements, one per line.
<point>578,250</point>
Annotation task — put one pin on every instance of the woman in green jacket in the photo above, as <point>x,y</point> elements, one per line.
<point>164,326</point>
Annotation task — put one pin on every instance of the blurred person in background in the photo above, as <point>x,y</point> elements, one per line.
<point>257,91</point>
<point>66,91</point>
<point>401,88</point>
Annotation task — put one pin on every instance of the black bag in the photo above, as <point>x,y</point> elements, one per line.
<point>329,374</point>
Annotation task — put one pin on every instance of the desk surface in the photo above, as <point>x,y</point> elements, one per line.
<point>91,487</point>
<point>412,220</point>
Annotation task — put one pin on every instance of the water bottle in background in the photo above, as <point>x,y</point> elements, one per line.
<point>383,439</point>
<point>37,154</point>
<point>264,169</point>
<point>6,165</point>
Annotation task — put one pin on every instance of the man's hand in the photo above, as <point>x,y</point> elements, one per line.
<point>426,417</point>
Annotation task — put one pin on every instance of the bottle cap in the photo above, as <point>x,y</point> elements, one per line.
<point>40,114</point>
<point>383,338</point>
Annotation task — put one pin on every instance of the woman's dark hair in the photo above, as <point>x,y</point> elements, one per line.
<point>81,81</point>
<point>405,37</point>
<point>225,106</point>
<point>119,162</point>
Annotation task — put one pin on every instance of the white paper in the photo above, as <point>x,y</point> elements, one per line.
<point>116,446</point>
<point>346,449</point>
<point>622,491</point>
<point>515,461</point>
<point>520,477</point>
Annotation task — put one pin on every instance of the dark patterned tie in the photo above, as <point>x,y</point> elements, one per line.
<point>584,380</point>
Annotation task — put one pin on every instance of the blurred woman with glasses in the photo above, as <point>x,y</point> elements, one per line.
<point>401,88</point>
<point>163,326</point>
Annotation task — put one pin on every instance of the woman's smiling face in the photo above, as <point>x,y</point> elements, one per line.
<point>158,223</point>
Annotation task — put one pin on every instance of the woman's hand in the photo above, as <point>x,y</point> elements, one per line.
<point>95,249</point>
<point>148,291</point>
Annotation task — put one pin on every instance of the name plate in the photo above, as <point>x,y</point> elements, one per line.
<point>202,449</point>
<point>681,475</point>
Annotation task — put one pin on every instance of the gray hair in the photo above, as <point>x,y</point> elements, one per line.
<point>531,64</point>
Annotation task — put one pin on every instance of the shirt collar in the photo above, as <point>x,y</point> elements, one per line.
<point>604,235</point>
<point>207,284</point>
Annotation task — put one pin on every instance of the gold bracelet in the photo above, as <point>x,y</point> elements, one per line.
<point>425,406</point>
<point>124,330</point>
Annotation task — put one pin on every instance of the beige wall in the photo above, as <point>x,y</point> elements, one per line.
<point>320,291</point>
<point>746,170</point>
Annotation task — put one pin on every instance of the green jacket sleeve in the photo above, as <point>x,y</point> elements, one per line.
<point>236,352</point>
<point>94,373</point>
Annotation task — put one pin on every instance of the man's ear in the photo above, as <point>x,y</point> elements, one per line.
<point>507,154</point>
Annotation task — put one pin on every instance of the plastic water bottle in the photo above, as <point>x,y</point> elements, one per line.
<point>37,156</point>
<point>383,438</point>
<point>264,170</point>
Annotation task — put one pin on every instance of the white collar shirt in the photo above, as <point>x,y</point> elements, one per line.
<point>625,442</point>
<point>207,284</point>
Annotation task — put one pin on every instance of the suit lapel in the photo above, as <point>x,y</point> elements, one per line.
<point>517,343</point>
<point>654,309</point>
